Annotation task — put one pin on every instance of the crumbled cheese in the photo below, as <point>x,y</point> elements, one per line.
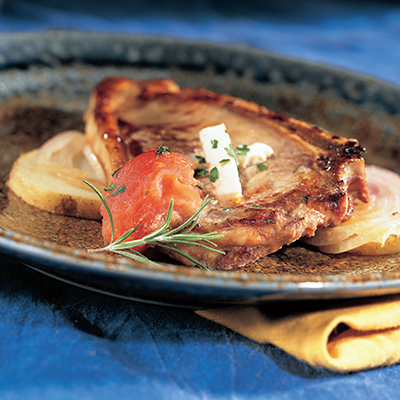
<point>215,141</point>
<point>258,153</point>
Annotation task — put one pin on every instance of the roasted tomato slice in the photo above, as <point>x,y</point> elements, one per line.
<point>142,190</point>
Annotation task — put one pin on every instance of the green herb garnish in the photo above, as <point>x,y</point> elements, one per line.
<point>296,169</point>
<point>161,150</point>
<point>118,190</point>
<point>116,171</point>
<point>214,143</point>
<point>225,160</point>
<point>243,149</point>
<point>214,174</point>
<point>304,198</point>
<point>200,172</point>
<point>261,167</point>
<point>201,159</point>
<point>162,237</point>
<point>110,188</point>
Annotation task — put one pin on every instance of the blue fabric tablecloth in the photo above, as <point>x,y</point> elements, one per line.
<point>363,36</point>
<point>62,342</point>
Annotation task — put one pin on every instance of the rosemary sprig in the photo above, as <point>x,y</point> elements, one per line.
<point>162,237</point>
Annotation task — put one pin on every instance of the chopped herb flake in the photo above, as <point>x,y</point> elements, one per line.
<point>255,206</point>
<point>214,175</point>
<point>304,198</point>
<point>225,160</point>
<point>146,192</point>
<point>116,171</point>
<point>198,186</point>
<point>118,190</point>
<point>200,172</point>
<point>214,143</point>
<point>261,167</point>
<point>110,188</point>
<point>227,209</point>
<point>296,169</point>
<point>243,149</point>
<point>161,150</point>
<point>201,159</point>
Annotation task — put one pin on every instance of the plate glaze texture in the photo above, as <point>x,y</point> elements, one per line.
<point>45,83</point>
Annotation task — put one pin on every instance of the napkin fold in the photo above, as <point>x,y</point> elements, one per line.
<point>343,336</point>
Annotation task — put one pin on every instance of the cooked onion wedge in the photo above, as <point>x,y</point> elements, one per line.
<point>374,227</point>
<point>69,155</point>
<point>50,178</point>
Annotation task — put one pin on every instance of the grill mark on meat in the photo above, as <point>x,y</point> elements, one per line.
<point>310,181</point>
<point>324,163</point>
<point>352,149</point>
<point>334,198</point>
<point>260,219</point>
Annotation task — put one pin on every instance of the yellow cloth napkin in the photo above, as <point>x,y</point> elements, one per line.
<point>348,336</point>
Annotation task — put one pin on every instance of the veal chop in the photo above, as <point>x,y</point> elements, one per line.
<point>309,181</point>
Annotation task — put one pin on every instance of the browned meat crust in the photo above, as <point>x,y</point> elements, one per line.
<point>309,181</point>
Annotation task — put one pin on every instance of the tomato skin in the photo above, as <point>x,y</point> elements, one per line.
<point>151,182</point>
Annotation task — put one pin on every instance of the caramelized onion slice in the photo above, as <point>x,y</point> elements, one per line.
<point>69,156</point>
<point>374,227</point>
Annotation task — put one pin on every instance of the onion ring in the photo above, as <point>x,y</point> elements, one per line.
<point>374,227</point>
<point>69,156</point>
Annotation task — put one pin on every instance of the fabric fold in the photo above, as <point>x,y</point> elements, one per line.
<point>346,337</point>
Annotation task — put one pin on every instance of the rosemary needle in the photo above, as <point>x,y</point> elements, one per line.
<point>164,236</point>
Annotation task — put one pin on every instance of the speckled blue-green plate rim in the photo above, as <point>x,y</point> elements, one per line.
<point>317,93</point>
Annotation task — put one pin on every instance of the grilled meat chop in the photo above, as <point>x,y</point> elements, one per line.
<point>309,181</point>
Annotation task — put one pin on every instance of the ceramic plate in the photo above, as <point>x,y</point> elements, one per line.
<point>45,83</point>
